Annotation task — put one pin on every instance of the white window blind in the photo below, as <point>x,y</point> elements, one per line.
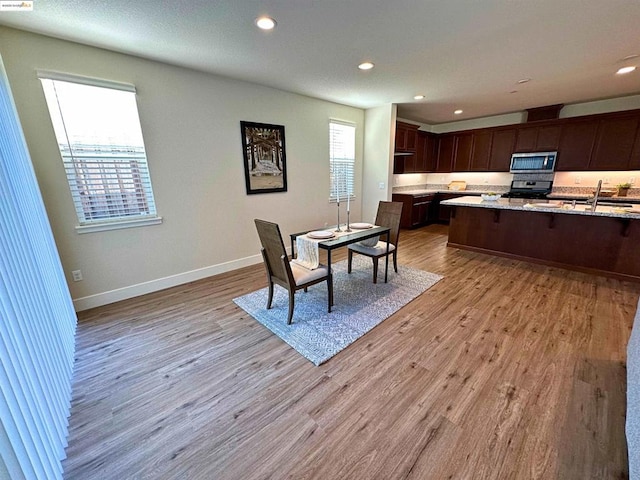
<point>342,159</point>
<point>100,140</point>
<point>37,320</point>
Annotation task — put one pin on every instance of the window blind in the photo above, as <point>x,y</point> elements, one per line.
<point>38,322</point>
<point>342,159</point>
<point>102,149</point>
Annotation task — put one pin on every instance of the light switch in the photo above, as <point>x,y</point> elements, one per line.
<point>381,185</point>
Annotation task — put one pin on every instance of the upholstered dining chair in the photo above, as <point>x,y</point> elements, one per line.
<point>388,215</point>
<point>281,271</point>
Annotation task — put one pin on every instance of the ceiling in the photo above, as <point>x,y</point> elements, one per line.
<point>460,54</point>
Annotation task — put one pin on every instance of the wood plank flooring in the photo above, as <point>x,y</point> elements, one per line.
<point>503,370</point>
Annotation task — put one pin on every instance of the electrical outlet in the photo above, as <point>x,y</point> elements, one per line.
<point>485,180</point>
<point>632,180</point>
<point>77,275</point>
<point>578,180</point>
<point>606,180</point>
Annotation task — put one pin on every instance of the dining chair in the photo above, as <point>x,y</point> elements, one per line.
<point>281,271</point>
<point>388,215</point>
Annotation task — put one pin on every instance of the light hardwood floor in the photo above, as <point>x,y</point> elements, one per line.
<point>503,370</point>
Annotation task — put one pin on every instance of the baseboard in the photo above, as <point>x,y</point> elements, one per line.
<point>112,296</point>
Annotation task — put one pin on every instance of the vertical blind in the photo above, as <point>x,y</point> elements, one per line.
<point>38,322</point>
<point>342,159</point>
<point>100,141</point>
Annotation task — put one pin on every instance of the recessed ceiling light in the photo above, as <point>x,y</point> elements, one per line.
<point>418,97</point>
<point>457,112</point>
<point>629,57</point>
<point>366,66</point>
<point>624,70</point>
<point>265,23</point>
<point>523,80</point>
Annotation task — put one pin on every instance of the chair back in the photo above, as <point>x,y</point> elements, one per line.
<point>273,246</point>
<point>388,215</point>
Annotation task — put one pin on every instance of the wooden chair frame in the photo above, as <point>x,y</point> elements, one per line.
<point>279,270</point>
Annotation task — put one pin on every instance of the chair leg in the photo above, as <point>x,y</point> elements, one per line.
<point>375,269</point>
<point>292,295</point>
<point>270,299</point>
<point>395,260</point>
<point>349,259</point>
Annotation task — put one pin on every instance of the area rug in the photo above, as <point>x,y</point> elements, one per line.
<point>359,306</point>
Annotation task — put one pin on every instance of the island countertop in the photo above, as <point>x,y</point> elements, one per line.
<point>552,206</point>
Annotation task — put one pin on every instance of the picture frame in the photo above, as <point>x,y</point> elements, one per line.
<point>264,154</point>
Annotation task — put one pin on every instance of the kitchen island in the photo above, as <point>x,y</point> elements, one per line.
<point>605,242</point>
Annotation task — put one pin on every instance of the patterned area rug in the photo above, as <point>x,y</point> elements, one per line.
<point>359,306</point>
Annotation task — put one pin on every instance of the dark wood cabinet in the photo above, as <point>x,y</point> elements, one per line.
<point>614,143</point>
<point>608,141</point>
<point>426,152</point>
<point>481,151</point>
<point>538,138</point>
<point>502,145</point>
<point>405,137</point>
<point>526,139</point>
<point>462,156</point>
<point>446,152</point>
<point>416,209</point>
<point>576,145</point>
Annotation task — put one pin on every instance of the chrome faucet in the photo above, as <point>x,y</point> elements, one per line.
<point>595,197</point>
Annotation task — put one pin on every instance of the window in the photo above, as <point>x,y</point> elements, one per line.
<point>342,159</point>
<point>98,131</point>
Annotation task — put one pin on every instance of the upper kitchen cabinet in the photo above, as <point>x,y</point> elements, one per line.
<point>426,152</point>
<point>615,143</point>
<point>481,150</point>
<point>406,134</point>
<point>538,138</point>
<point>446,153</point>
<point>576,145</point>
<point>502,145</point>
<point>462,155</point>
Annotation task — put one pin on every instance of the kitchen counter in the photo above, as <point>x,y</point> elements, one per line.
<point>604,242</point>
<point>552,206</point>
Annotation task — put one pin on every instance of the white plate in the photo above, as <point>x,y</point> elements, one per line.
<point>321,234</point>
<point>361,226</point>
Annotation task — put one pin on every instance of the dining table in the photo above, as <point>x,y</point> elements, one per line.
<point>343,238</point>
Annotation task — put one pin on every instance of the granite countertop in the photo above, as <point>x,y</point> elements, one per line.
<point>434,191</point>
<point>543,206</point>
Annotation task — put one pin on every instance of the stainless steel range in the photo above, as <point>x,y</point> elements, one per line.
<point>529,189</point>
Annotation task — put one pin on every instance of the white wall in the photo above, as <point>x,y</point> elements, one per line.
<point>380,129</point>
<point>191,125</point>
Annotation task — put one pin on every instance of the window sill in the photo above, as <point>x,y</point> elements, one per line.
<point>117,225</point>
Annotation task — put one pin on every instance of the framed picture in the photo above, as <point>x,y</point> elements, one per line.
<point>265,164</point>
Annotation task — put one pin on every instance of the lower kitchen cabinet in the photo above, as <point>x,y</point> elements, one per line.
<point>442,213</point>
<point>416,209</point>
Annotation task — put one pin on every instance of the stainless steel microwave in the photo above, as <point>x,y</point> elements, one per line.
<point>538,162</point>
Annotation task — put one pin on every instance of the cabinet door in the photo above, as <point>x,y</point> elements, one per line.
<point>412,133</point>
<point>446,150</point>
<point>526,139</point>
<point>462,155</point>
<point>634,162</point>
<point>431,152</point>
<point>401,136</point>
<point>502,146</point>
<point>548,138</point>
<point>576,145</point>
<point>614,144</point>
<point>481,151</point>
<point>420,157</point>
